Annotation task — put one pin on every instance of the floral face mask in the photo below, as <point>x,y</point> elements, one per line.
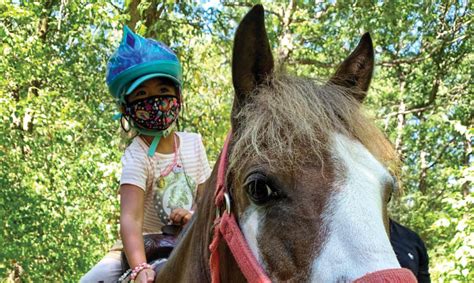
<point>154,113</point>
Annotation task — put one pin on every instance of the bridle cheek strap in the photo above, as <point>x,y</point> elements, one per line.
<point>226,227</point>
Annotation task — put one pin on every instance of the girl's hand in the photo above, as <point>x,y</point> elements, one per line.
<point>180,216</point>
<point>145,276</point>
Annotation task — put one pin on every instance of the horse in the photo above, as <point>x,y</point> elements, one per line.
<point>304,176</point>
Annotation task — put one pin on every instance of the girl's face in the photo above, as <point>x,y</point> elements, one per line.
<point>153,105</point>
<point>152,87</point>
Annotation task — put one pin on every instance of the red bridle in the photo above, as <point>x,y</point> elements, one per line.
<point>225,226</point>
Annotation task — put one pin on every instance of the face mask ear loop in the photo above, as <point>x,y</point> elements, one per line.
<point>128,122</point>
<point>122,103</point>
<point>153,145</point>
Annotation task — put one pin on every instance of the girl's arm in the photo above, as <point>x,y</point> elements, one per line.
<point>131,223</point>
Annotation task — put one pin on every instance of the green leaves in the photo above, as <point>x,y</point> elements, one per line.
<point>54,138</point>
<point>60,150</point>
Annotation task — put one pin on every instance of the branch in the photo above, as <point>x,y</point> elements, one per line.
<point>397,62</point>
<point>443,150</point>
<point>413,110</point>
<point>197,25</point>
<point>434,89</point>
<point>250,5</point>
<point>120,10</point>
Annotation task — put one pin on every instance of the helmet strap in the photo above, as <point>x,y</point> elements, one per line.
<point>154,145</point>
<point>157,136</point>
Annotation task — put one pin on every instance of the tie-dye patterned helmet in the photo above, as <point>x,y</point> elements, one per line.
<point>138,59</point>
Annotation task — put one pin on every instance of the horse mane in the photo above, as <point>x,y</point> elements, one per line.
<point>288,124</point>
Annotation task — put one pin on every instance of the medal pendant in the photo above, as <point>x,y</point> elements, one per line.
<point>177,169</point>
<point>161,182</point>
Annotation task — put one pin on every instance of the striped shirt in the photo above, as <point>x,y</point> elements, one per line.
<point>143,171</point>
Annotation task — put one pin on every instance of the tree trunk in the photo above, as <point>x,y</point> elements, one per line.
<point>424,166</point>
<point>400,119</point>
<point>286,38</point>
<point>152,14</point>
<point>44,21</point>
<point>36,84</point>
<point>132,10</point>
<point>467,155</point>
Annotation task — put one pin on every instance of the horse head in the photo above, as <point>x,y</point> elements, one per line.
<point>308,173</point>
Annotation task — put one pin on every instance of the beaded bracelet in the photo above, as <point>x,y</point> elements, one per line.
<point>139,268</point>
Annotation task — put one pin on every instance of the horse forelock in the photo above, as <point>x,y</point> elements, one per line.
<point>288,122</point>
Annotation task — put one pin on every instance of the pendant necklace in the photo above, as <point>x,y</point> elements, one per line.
<point>169,168</point>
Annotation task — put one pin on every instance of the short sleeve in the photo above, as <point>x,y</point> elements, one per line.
<point>134,168</point>
<point>205,169</point>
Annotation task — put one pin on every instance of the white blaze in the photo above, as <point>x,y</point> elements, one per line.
<point>250,225</point>
<point>357,242</point>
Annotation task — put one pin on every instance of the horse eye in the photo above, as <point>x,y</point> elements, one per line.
<point>260,192</point>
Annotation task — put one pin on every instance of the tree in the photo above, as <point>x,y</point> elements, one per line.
<point>60,150</point>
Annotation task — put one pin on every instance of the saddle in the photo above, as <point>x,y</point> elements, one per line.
<point>158,247</point>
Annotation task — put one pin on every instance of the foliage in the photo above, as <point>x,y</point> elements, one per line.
<point>59,160</point>
<point>60,150</point>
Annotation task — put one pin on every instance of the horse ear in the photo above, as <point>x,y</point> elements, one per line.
<point>356,71</point>
<point>252,60</point>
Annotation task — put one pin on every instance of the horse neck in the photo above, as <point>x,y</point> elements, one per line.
<point>189,261</point>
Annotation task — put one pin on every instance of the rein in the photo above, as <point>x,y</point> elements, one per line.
<point>226,227</point>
